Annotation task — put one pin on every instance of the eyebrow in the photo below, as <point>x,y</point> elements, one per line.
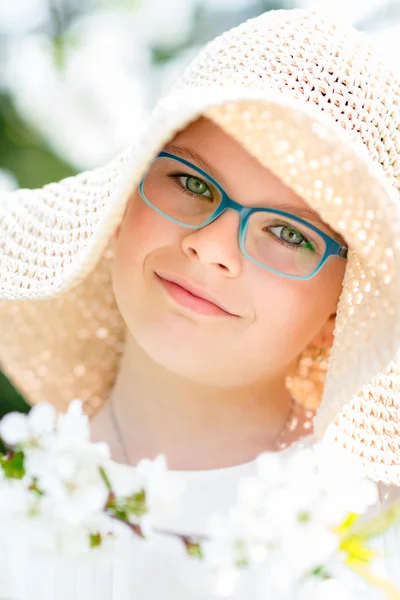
<point>189,154</point>
<point>303,212</point>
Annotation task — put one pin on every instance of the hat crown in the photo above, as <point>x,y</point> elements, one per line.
<point>308,56</point>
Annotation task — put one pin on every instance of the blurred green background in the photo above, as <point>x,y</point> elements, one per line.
<point>78,78</point>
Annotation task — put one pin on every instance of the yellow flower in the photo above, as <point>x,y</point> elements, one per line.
<point>353,542</point>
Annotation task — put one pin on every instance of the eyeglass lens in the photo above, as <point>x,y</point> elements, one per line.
<point>278,242</point>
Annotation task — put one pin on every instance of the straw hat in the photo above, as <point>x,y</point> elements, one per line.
<point>312,100</point>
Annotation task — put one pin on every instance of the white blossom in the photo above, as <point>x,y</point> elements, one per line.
<point>66,467</point>
<point>328,589</point>
<point>226,581</point>
<point>52,535</point>
<point>332,589</point>
<point>8,182</point>
<point>14,428</point>
<point>341,479</point>
<point>19,428</point>
<point>163,491</point>
<point>71,493</point>
<point>345,10</point>
<point>228,5</point>
<point>16,500</point>
<point>284,515</point>
<point>166,25</point>
<point>18,17</point>
<point>279,530</point>
<point>95,103</point>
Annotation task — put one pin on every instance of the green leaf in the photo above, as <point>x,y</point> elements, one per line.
<point>13,465</point>
<point>376,525</point>
<point>124,507</point>
<point>113,509</point>
<point>34,488</point>
<point>242,562</point>
<point>193,548</point>
<point>129,505</point>
<point>303,517</point>
<point>319,571</point>
<point>95,540</point>
<point>105,479</point>
<point>135,504</point>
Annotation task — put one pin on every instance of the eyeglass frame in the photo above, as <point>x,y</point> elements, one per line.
<point>332,247</point>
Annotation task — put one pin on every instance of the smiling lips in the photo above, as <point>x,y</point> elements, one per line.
<point>188,295</point>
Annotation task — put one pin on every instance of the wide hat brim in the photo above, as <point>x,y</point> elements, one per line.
<point>62,334</point>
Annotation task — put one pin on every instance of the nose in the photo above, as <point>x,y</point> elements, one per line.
<point>216,245</point>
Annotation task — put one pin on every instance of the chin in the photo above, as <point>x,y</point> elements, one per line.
<point>187,360</point>
<point>195,362</point>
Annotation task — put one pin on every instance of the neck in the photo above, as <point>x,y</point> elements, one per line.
<point>196,426</point>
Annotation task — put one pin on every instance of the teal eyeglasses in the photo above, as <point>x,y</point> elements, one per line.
<point>273,239</point>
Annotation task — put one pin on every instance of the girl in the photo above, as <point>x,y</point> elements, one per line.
<point>191,291</point>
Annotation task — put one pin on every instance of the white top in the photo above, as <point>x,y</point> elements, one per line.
<point>156,570</point>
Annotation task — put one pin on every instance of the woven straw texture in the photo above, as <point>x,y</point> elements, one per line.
<point>312,100</point>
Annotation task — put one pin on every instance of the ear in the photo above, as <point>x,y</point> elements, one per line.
<point>324,337</point>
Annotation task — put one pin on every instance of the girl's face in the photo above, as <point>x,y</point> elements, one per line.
<point>263,322</point>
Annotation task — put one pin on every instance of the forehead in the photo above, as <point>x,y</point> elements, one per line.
<point>242,176</point>
<point>209,147</point>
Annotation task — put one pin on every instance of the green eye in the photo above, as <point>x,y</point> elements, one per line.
<point>197,186</point>
<point>292,236</point>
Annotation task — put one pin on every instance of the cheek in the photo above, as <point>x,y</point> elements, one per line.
<point>143,231</point>
<point>291,313</point>
<point>145,242</point>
